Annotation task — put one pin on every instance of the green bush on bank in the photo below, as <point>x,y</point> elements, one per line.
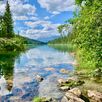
<point>87,35</point>
<point>12,44</point>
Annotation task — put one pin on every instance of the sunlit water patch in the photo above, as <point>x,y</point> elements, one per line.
<point>34,62</point>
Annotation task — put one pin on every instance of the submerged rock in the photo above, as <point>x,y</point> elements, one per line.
<point>49,69</point>
<point>64,71</point>
<point>39,78</point>
<point>15,99</point>
<point>17,91</point>
<point>95,96</point>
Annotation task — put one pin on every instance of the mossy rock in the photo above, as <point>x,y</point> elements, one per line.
<point>72,84</point>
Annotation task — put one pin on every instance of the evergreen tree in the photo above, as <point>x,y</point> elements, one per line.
<point>8,22</point>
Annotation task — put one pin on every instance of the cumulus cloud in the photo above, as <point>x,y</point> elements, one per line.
<point>57,6</point>
<point>19,8</point>
<point>48,29</point>
<point>47,17</point>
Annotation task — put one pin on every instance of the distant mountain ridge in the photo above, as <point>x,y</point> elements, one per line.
<point>32,41</point>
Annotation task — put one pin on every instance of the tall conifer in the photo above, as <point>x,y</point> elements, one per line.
<point>8,21</point>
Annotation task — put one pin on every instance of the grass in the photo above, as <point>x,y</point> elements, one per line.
<point>37,99</point>
<point>63,47</point>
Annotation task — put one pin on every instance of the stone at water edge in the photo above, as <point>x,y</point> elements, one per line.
<point>94,95</point>
<point>9,84</point>
<point>74,97</point>
<point>39,78</point>
<point>64,88</point>
<point>76,91</point>
<point>61,81</point>
<point>64,71</point>
<point>64,99</point>
<point>72,79</point>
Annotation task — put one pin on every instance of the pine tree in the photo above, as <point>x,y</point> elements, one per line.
<point>8,22</point>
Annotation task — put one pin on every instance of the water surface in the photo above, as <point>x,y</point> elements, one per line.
<point>22,68</point>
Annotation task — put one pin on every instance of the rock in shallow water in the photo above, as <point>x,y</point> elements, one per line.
<point>73,97</point>
<point>39,78</point>
<point>64,88</point>
<point>17,92</point>
<point>64,71</point>
<point>49,69</point>
<point>61,81</point>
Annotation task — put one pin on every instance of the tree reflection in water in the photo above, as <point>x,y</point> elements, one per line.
<point>7,61</point>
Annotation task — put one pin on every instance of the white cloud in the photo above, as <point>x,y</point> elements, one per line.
<point>47,17</point>
<point>48,29</point>
<point>57,6</point>
<point>20,18</point>
<point>19,8</point>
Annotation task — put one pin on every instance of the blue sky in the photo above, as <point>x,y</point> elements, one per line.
<point>39,19</point>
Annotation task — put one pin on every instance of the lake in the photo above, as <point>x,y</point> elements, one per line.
<point>18,73</point>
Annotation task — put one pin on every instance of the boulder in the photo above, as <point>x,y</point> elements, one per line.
<point>39,78</point>
<point>76,91</point>
<point>64,71</point>
<point>49,69</point>
<point>95,96</point>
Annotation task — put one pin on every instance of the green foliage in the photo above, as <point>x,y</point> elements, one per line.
<point>12,44</point>
<point>87,2</point>
<point>6,23</point>
<point>63,29</point>
<point>97,73</point>
<point>37,99</point>
<point>86,34</point>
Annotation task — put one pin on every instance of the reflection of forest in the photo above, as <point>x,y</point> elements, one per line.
<point>7,67</point>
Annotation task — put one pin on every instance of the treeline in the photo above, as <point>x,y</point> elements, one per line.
<point>86,34</point>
